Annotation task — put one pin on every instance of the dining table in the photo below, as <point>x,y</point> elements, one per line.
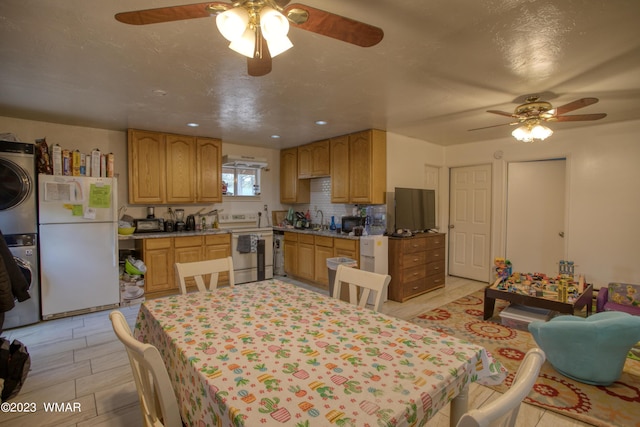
<point>273,353</point>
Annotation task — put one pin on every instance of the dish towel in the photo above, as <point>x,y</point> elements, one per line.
<point>247,243</point>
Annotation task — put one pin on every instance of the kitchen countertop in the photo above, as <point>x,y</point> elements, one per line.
<point>328,233</point>
<point>159,235</point>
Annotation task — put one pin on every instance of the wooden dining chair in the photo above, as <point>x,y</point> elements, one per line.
<point>197,270</point>
<point>361,284</point>
<point>157,400</point>
<point>503,410</point>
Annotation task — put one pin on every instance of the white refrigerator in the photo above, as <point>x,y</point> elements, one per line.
<point>78,231</point>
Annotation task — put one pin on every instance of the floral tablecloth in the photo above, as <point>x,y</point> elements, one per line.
<point>270,353</point>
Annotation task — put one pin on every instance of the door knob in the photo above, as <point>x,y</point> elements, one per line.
<point>561,234</point>
<point>452,226</point>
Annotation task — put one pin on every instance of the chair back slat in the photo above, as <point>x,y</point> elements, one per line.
<point>361,284</point>
<point>199,269</point>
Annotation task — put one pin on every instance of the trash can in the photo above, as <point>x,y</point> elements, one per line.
<point>332,266</point>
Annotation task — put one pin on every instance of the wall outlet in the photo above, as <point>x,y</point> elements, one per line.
<point>265,208</point>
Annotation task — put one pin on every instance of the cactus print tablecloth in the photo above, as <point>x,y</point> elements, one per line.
<point>270,353</point>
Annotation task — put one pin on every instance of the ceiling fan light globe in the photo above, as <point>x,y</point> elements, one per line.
<point>279,45</point>
<point>541,132</point>
<point>233,23</point>
<point>273,24</point>
<point>245,45</point>
<point>522,134</point>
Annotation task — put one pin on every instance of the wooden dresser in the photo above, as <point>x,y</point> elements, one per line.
<point>416,265</point>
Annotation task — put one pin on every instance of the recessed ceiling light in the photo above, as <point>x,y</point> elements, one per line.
<point>193,125</point>
<point>275,136</point>
<point>159,92</point>
<point>321,122</point>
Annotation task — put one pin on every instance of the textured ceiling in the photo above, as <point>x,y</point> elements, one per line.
<point>440,66</point>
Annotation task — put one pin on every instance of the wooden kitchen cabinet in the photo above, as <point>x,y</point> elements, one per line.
<point>147,167</point>
<point>348,248</point>
<point>314,160</point>
<point>181,161</point>
<point>291,253</point>
<point>323,249</point>
<point>368,167</point>
<point>173,169</point>
<point>359,167</point>
<point>416,265</point>
<point>292,189</point>
<point>306,265</point>
<point>340,169</point>
<point>160,255</point>
<point>208,170</point>
<point>157,255</point>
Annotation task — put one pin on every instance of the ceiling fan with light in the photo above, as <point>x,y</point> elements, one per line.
<point>533,112</point>
<point>258,28</point>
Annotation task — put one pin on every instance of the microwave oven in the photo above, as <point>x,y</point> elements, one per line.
<point>149,225</point>
<point>349,222</point>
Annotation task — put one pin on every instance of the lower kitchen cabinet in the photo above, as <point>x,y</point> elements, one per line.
<point>305,256</point>
<point>416,265</point>
<point>323,249</point>
<point>160,255</point>
<point>158,258</point>
<point>306,264</point>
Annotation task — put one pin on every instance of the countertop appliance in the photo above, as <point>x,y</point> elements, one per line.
<point>78,244</point>
<point>257,264</point>
<point>374,256</point>
<point>190,225</point>
<point>149,225</point>
<point>24,248</point>
<point>350,222</point>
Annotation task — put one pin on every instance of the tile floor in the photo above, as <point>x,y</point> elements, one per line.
<point>79,360</point>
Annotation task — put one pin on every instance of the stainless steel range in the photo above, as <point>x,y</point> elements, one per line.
<point>251,246</point>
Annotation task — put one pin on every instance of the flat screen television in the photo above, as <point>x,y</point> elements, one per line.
<point>415,209</point>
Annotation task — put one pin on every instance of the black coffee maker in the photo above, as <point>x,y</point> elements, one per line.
<point>191,223</point>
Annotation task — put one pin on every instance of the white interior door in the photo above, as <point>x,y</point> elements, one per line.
<point>536,215</point>
<point>470,222</point>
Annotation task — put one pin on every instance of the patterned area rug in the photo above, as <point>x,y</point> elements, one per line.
<point>615,405</point>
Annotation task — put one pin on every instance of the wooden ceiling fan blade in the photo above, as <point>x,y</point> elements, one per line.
<point>502,113</point>
<point>580,103</point>
<point>261,63</point>
<point>332,25</point>
<point>171,13</point>
<point>579,117</point>
<point>495,126</point>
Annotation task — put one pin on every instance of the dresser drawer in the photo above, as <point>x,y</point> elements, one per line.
<point>414,259</point>
<point>435,268</point>
<point>435,241</point>
<point>414,245</point>
<point>413,273</point>
<point>434,255</point>
<point>413,288</point>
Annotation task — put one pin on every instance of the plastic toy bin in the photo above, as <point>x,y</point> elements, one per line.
<point>518,316</point>
<point>332,266</point>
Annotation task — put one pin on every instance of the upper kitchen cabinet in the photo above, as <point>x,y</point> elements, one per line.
<point>314,160</point>
<point>359,168</point>
<point>209,170</point>
<point>340,169</point>
<point>292,189</point>
<point>173,169</point>
<point>181,159</point>
<point>147,164</point>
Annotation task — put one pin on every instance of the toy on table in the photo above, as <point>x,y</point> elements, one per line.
<point>503,268</point>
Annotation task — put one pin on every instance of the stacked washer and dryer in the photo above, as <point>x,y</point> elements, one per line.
<point>19,223</point>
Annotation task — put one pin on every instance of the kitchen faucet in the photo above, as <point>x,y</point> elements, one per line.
<point>318,211</point>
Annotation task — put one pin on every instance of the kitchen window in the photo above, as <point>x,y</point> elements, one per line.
<point>240,181</point>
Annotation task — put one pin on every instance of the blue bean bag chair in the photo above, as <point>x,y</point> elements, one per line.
<point>591,350</point>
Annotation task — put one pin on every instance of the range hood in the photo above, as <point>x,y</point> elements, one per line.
<point>235,160</point>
